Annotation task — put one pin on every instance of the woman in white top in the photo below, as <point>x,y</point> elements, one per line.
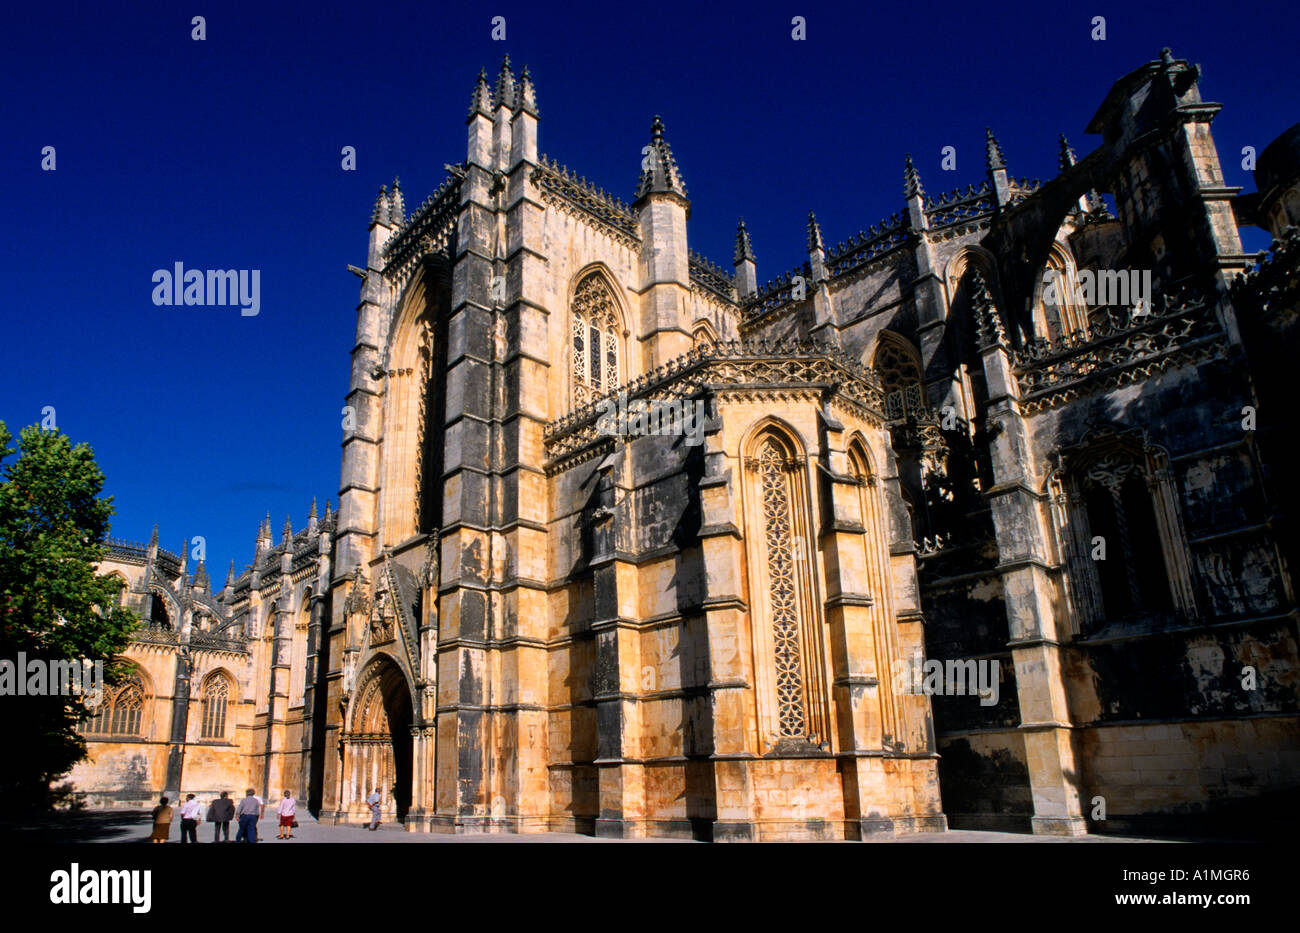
<point>288,807</point>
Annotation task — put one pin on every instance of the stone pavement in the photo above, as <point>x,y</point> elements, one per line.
<point>135,826</point>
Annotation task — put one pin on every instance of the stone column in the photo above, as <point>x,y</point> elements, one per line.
<point>724,792</point>
<point>1021,525</point>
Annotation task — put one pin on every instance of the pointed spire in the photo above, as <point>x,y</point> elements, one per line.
<point>396,204</point>
<point>744,249</point>
<point>153,541</point>
<point>481,102</point>
<point>185,560</point>
<point>201,575</point>
<point>311,515</point>
<point>659,174</point>
<point>993,151</point>
<point>527,101</point>
<point>287,534</point>
<point>911,179</point>
<point>230,575</point>
<point>1067,157</point>
<point>505,90</point>
<point>380,214</point>
<point>328,513</point>
<point>815,241</point>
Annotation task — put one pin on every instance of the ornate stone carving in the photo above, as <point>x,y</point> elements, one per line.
<point>772,465</point>
<point>357,601</point>
<point>381,618</point>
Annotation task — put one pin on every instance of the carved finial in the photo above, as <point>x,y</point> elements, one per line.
<point>993,151</point>
<point>911,179</point>
<point>481,102</point>
<point>230,575</point>
<point>201,575</point>
<point>1167,55</point>
<point>153,540</point>
<point>815,241</point>
<point>505,90</point>
<point>287,534</point>
<point>396,204</point>
<point>380,214</point>
<point>527,93</point>
<point>1067,157</point>
<point>744,249</point>
<point>659,174</point>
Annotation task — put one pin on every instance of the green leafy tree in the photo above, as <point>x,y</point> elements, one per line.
<point>53,605</point>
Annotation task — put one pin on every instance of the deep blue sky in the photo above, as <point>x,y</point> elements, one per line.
<point>226,154</point>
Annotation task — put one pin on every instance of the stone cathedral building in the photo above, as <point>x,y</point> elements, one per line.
<point>1031,423</point>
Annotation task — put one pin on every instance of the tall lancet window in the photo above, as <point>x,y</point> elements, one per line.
<point>787,640</point>
<point>596,367</point>
<point>216,700</point>
<point>778,536</point>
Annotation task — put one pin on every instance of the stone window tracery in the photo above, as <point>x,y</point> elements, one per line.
<point>1119,532</point>
<point>119,714</point>
<point>595,334</point>
<point>216,701</point>
<point>772,465</point>
<point>787,640</point>
<point>900,376</point>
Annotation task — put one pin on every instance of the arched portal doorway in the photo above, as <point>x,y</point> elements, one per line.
<point>377,749</point>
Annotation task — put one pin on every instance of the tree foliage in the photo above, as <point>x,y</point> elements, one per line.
<point>53,605</point>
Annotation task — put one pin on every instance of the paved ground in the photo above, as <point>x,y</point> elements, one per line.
<point>134,826</point>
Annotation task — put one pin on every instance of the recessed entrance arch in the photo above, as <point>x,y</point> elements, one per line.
<point>377,749</point>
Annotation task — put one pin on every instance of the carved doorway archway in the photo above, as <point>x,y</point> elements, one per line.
<point>377,749</point>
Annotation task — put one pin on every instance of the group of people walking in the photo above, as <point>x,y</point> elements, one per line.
<point>221,812</point>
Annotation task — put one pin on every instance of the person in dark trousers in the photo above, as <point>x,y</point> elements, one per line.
<point>190,819</point>
<point>162,821</point>
<point>220,814</point>
<point>249,812</point>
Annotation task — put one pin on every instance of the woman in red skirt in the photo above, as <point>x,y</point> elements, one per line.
<point>288,808</point>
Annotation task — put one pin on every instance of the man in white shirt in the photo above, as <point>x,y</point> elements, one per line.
<point>373,800</point>
<point>190,811</point>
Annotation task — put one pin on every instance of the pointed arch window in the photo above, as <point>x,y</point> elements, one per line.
<point>900,377</point>
<point>120,713</point>
<point>128,710</point>
<point>597,368</point>
<point>1058,315</point>
<point>216,703</point>
<point>791,681</point>
<point>159,618</point>
<point>1119,532</point>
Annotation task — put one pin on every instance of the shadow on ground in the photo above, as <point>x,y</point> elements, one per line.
<point>79,826</point>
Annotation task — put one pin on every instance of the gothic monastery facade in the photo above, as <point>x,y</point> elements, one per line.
<point>939,439</point>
